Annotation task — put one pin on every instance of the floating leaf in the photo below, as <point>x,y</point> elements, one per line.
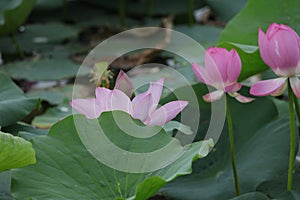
<point>52,115</point>
<point>43,38</point>
<point>57,95</point>
<point>55,68</point>
<point>49,96</point>
<point>14,105</point>
<point>24,130</point>
<point>15,152</point>
<point>47,33</point>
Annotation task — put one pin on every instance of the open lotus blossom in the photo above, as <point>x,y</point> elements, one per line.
<point>280,50</point>
<point>222,69</point>
<point>143,106</point>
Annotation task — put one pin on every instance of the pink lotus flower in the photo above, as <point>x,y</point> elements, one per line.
<point>144,106</point>
<point>280,50</point>
<point>124,84</point>
<point>222,69</point>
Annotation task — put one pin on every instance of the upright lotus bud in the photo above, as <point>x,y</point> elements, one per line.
<point>222,69</point>
<point>280,50</point>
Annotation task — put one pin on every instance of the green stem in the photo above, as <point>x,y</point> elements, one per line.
<point>296,103</point>
<point>122,12</point>
<point>191,10</point>
<point>292,138</point>
<point>232,152</point>
<point>18,46</point>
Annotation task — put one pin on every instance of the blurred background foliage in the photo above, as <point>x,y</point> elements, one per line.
<point>42,43</point>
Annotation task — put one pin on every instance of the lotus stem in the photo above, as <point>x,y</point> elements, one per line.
<point>296,103</point>
<point>292,138</point>
<point>232,152</point>
<point>18,46</point>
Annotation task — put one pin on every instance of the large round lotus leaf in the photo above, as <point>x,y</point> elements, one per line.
<point>243,29</point>
<point>66,169</point>
<point>261,140</point>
